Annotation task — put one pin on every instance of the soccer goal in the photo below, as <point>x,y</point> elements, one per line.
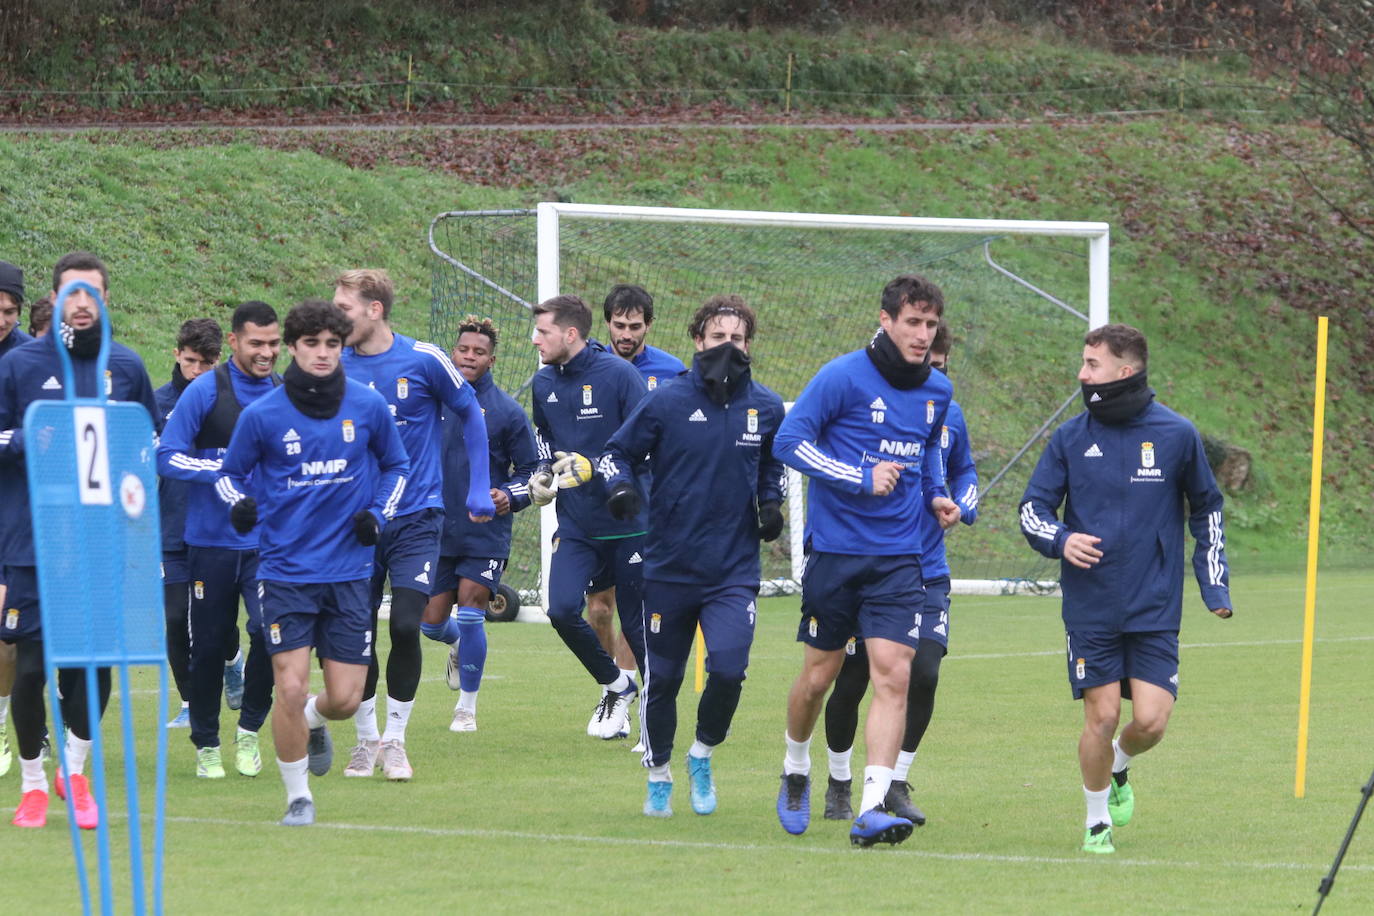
<point>1019,295</point>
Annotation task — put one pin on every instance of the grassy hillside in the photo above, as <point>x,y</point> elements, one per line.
<point>1219,254</point>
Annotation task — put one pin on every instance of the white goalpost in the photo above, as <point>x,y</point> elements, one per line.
<point>815,281</point>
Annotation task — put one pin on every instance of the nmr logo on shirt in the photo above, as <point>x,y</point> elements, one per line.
<point>328,466</point>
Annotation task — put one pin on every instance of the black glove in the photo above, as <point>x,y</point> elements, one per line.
<point>243,515</point>
<point>770,520</point>
<point>365,528</point>
<point>623,501</point>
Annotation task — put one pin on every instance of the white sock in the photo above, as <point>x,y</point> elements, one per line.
<point>839,764</point>
<point>903,766</point>
<point>700,750</point>
<point>365,721</point>
<point>467,699</point>
<point>877,780</point>
<point>32,773</point>
<point>313,719</point>
<point>186,704</point>
<point>1097,807</point>
<point>619,685</point>
<point>243,731</point>
<point>630,674</point>
<point>397,716</point>
<point>660,774</point>
<point>4,710</point>
<point>798,759</point>
<point>296,777</point>
<point>238,657</point>
<point>1120,759</point>
<point>76,754</point>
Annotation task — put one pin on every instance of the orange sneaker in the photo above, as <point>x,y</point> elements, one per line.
<point>87,814</point>
<point>32,810</point>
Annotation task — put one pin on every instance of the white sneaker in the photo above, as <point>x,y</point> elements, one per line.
<point>615,723</point>
<point>395,764</point>
<point>594,724</point>
<point>451,670</point>
<point>639,747</point>
<point>464,720</point>
<point>363,760</point>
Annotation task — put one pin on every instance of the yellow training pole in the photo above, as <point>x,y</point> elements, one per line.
<point>1313,527</point>
<point>410,77</point>
<point>700,643</point>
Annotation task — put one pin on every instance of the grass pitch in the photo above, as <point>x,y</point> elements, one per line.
<point>528,813</point>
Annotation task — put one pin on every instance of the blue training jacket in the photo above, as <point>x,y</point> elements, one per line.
<point>418,380</point>
<point>311,477</point>
<point>956,458</point>
<point>846,420</point>
<point>13,341</point>
<point>31,373</point>
<point>657,366</point>
<point>178,458</point>
<point>171,494</point>
<point>576,407</point>
<point>1126,483</point>
<point>712,467</point>
<point>513,459</point>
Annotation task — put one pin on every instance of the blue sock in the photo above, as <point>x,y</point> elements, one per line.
<point>472,649</point>
<point>446,632</point>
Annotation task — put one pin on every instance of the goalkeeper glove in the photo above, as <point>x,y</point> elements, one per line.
<point>770,521</point>
<point>243,515</point>
<point>365,528</point>
<point>623,502</point>
<point>572,468</point>
<point>542,490</point>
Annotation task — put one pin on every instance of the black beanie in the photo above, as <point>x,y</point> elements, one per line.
<point>12,281</point>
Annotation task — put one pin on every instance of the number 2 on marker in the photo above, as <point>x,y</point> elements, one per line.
<point>92,457</point>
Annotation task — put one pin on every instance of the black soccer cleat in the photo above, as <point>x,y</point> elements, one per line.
<point>898,802</point>
<point>837,799</point>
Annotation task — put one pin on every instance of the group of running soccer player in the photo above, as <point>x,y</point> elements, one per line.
<point>377,458</point>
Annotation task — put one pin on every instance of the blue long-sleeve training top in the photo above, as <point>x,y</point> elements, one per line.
<point>183,454</point>
<point>1126,484</point>
<point>312,476</point>
<point>33,372</point>
<point>576,407</point>
<point>418,380</point>
<point>171,494</point>
<point>657,366</point>
<point>712,467</point>
<point>956,458</point>
<point>513,458</point>
<point>847,420</point>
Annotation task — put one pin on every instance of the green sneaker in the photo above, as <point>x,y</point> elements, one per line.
<point>208,764</point>
<point>1121,803</point>
<point>6,755</point>
<point>246,756</point>
<point>1098,839</point>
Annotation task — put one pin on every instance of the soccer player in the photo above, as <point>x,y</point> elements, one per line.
<point>197,350</point>
<point>330,469</point>
<point>33,372</point>
<point>861,430</point>
<point>1122,470</point>
<point>418,381</point>
<point>580,396</point>
<point>716,490</point>
<point>471,556</point>
<point>629,313</point>
<point>222,563</point>
<point>842,709</point>
<point>11,304</point>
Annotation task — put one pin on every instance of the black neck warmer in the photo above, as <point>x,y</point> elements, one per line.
<point>1118,401</point>
<point>318,398</point>
<point>723,368</point>
<point>84,344</point>
<point>893,367</point>
<point>179,381</point>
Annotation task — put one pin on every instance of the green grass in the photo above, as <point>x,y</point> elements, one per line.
<point>529,814</point>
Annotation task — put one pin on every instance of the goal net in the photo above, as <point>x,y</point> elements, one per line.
<point>1019,295</point>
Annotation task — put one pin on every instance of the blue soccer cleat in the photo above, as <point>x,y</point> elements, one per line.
<point>877,826</point>
<point>233,684</point>
<point>703,786</point>
<point>320,751</point>
<point>182,719</point>
<point>794,803</point>
<point>658,803</point>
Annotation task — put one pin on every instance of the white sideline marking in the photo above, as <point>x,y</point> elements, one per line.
<point>1093,861</point>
